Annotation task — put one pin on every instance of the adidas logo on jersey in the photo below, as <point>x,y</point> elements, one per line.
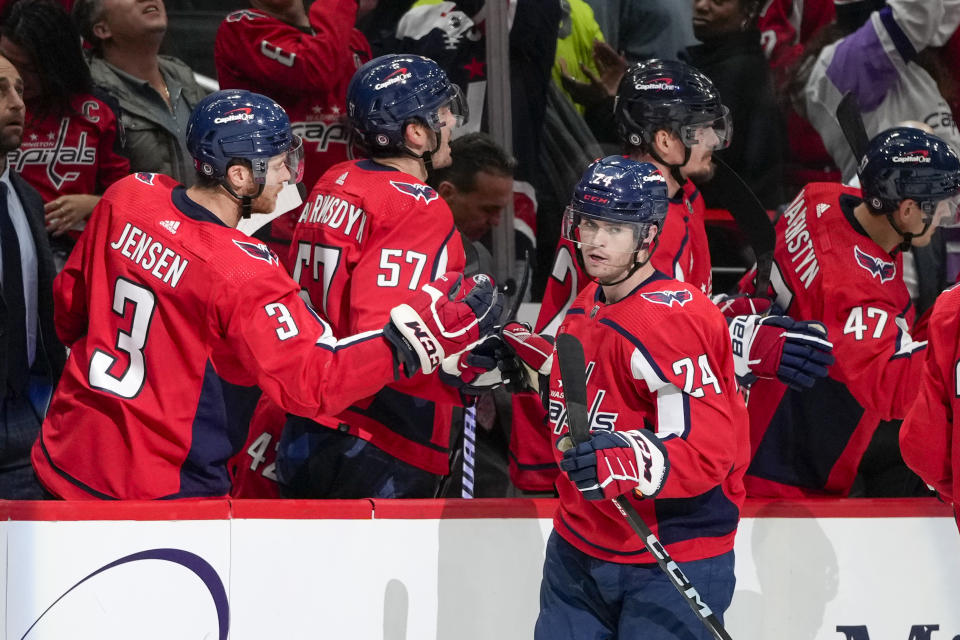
<point>821,208</point>
<point>342,178</point>
<point>170,225</point>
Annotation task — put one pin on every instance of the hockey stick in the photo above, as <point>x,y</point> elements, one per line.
<point>573,373</point>
<point>851,124</point>
<point>750,216</point>
<point>469,468</point>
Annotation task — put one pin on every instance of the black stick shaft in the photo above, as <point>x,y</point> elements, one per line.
<point>573,373</point>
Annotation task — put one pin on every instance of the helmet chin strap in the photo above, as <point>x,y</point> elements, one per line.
<point>674,168</point>
<point>908,237</point>
<point>426,156</point>
<point>245,201</point>
<point>633,268</point>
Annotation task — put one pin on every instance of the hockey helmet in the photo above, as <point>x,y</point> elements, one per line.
<point>389,92</point>
<point>617,190</point>
<point>233,124</point>
<point>905,163</point>
<point>669,94</point>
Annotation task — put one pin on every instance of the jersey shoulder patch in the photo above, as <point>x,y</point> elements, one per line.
<point>668,298</point>
<point>877,267</point>
<point>258,251</point>
<point>416,191</point>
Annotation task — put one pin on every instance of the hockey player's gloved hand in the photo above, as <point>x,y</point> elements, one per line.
<point>796,353</point>
<point>447,315</point>
<point>612,463</point>
<point>476,371</point>
<point>534,352</point>
<point>743,305</point>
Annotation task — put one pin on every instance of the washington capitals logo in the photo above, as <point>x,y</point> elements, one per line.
<point>144,177</point>
<point>681,297</point>
<point>877,267</point>
<point>258,251</point>
<point>416,191</point>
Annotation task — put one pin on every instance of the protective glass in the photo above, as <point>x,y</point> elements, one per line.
<point>714,134</point>
<point>458,107</point>
<point>948,210</point>
<point>616,237</point>
<point>294,160</point>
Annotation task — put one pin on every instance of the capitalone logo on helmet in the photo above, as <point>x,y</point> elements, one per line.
<point>661,84</point>
<point>398,76</point>
<point>654,177</point>
<point>920,156</point>
<point>234,115</point>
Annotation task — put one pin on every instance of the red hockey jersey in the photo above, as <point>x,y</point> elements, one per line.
<point>165,309</point>
<point>73,154</point>
<point>933,423</point>
<point>660,358</point>
<point>368,236</point>
<point>306,73</point>
<point>682,252</point>
<point>827,268</point>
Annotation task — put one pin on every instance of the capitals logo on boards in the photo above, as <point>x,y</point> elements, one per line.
<point>878,268</point>
<point>416,191</point>
<point>600,420</point>
<point>917,632</point>
<point>667,298</point>
<point>258,251</point>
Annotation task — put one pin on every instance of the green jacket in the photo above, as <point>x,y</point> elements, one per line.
<point>150,141</point>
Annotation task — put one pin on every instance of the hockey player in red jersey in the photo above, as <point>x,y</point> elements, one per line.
<point>370,233</point>
<point>166,307</point>
<point>668,428</point>
<point>838,260</point>
<point>929,432</point>
<point>668,114</point>
<point>303,60</point>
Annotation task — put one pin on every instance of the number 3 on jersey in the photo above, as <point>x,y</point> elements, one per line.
<point>132,343</point>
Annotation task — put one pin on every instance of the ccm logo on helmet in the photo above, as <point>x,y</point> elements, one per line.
<point>663,84</point>
<point>396,77</point>
<point>243,113</point>
<point>918,156</point>
<point>593,198</point>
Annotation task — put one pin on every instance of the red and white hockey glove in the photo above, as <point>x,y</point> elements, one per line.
<point>534,351</point>
<point>741,305</point>
<point>612,463</point>
<point>796,353</point>
<point>447,315</point>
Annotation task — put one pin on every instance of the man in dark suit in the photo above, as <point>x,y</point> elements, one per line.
<point>31,358</point>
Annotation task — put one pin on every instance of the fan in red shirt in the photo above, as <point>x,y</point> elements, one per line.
<point>70,151</point>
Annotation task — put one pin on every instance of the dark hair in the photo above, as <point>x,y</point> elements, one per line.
<point>86,13</point>
<point>44,30</point>
<point>471,154</point>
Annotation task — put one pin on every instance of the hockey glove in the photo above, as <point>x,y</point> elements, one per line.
<point>534,352</point>
<point>612,463</point>
<point>796,353</point>
<point>447,315</point>
<point>478,370</point>
<point>743,305</point>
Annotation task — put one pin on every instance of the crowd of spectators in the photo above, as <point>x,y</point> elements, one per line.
<point>94,99</point>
